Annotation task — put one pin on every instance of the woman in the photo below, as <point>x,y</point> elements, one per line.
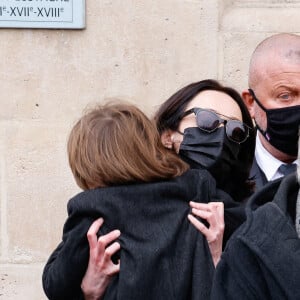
<point>227,154</point>
<point>138,186</point>
<point>220,144</point>
<point>202,124</point>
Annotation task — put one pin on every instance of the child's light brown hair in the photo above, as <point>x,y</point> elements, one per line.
<point>116,144</point>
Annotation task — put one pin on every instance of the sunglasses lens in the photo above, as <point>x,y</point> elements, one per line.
<point>207,120</point>
<point>236,131</point>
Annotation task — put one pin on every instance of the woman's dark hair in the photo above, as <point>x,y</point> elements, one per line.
<point>169,115</point>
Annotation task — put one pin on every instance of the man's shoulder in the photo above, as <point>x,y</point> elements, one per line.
<point>260,225</point>
<point>268,226</point>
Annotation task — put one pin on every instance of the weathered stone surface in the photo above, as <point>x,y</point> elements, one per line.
<point>21,282</point>
<point>142,51</point>
<point>36,187</point>
<point>136,50</point>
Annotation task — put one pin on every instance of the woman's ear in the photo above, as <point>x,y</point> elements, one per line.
<point>166,138</point>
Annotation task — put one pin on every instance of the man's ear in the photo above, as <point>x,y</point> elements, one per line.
<point>249,102</point>
<point>166,138</point>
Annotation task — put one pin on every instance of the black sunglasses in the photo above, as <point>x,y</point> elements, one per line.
<point>209,121</point>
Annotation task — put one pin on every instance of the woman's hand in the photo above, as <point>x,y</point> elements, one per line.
<point>100,268</point>
<point>213,213</point>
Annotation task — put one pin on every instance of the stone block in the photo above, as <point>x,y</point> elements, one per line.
<point>237,50</point>
<point>37,185</point>
<point>134,50</point>
<point>21,282</point>
<point>262,18</point>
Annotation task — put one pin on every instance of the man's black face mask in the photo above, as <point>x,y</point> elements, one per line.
<point>282,127</point>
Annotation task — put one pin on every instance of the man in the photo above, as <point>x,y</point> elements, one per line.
<point>262,258</point>
<point>273,99</point>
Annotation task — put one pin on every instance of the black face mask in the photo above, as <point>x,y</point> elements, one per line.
<point>212,151</point>
<point>282,127</point>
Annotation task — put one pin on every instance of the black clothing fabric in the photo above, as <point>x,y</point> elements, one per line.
<point>258,176</point>
<point>162,255</point>
<point>262,258</point>
<point>212,151</point>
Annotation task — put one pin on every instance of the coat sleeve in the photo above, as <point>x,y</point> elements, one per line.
<point>239,274</point>
<point>234,214</point>
<point>66,266</point>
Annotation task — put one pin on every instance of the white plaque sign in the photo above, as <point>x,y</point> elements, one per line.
<point>42,14</point>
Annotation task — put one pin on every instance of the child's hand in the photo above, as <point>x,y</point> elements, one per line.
<point>100,268</point>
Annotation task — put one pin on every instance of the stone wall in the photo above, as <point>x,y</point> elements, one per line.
<point>141,51</point>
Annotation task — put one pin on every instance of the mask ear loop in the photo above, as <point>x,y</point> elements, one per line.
<point>263,132</point>
<point>256,100</point>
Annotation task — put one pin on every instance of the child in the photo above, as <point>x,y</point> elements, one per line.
<point>141,188</point>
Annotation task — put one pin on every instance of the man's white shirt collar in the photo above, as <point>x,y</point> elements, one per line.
<point>266,161</point>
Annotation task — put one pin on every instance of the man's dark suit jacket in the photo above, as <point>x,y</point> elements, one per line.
<point>258,176</point>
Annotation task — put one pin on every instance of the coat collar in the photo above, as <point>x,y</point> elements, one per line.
<point>282,192</point>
